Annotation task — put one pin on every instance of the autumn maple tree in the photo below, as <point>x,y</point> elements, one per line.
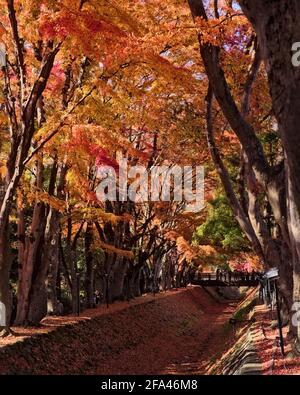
<point>82,82</point>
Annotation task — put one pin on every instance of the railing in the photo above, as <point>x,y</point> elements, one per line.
<point>227,279</point>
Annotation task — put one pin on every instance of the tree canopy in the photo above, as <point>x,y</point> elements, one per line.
<point>174,83</point>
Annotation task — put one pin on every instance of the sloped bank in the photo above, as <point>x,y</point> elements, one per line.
<point>141,339</point>
<point>243,357</point>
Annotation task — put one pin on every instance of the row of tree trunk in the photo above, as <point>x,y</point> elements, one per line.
<point>51,262</point>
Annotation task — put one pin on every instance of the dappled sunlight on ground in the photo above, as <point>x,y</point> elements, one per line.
<point>268,346</point>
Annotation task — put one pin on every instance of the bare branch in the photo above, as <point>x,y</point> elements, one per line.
<point>82,3</point>
<point>40,84</point>
<point>254,68</point>
<point>18,45</point>
<point>216,9</point>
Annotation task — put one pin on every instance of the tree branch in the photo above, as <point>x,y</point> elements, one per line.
<point>18,46</point>
<point>244,131</point>
<point>57,129</point>
<point>238,211</point>
<point>40,84</point>
<point>254,69</point>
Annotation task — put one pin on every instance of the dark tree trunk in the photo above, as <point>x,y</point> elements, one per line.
<point>89,276</point>
<point>119,272</point>
<point>51,257</point>
<point>5,292</point>
<point>277,26</point>
<point>30,256</point>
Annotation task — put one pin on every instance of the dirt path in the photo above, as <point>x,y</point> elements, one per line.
<point>179,332</point>
<point>180,346</point>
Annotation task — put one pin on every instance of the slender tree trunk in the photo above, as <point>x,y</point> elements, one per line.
<point>5,263</point>
<point>135,281</point>
<point>119,271</point>
<point>71,262</point>
<point>5,292</point>
<point>51,257</point>
<point>89,277</point>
